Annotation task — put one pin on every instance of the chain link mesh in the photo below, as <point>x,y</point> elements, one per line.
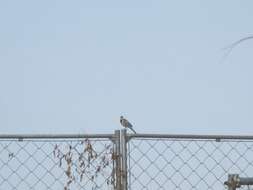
<point>56,164</point>
<point>187,163</point>
<point>153,163</point>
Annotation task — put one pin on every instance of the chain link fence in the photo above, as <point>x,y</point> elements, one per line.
<point>56,163</point>
<point>123,161</point>
<point>195,162</point>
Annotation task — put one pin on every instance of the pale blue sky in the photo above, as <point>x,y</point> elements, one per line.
<point>76,66</point>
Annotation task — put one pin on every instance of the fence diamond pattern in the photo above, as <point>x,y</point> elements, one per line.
<point>153,163</point>
<point>187,163</point>
<point>56,164</point>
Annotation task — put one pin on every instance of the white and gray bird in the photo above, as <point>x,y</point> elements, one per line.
<point>125,123</point>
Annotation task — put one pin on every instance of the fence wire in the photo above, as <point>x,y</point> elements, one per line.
<point>154,162</point>
<point>187,163</point>
<point>45,164</point>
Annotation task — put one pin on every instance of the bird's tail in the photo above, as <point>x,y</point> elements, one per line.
<point>131,128</point>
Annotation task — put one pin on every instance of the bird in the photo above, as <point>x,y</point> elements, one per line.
<point>125,123</point>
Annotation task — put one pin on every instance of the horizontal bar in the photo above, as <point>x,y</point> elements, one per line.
<point>54,136</point>
<point>234,181</point>
<point>184,136</point>
<point>171,136</point>
<point>245,181</point>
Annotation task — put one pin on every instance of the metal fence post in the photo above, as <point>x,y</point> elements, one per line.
<point>121,159</point>
<point>117,160</point>
<point>123,141</point>
<point>234,181</point>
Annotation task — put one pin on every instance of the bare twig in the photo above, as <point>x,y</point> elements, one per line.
<point>229,48</point>
<point>88,163</point>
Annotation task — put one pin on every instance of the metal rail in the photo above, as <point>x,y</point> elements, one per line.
<point>139,135</point>
<point>234,181</point>
<point>54,136</point>
<point>184,136</point>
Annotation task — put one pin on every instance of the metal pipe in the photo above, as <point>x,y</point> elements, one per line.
<point>234,181</point>
<point>246,181</point>
<point>54,136</point>
<point>184,136</point>
<point>123,142</point>
<point>138,135</point>
<point>118,159</point>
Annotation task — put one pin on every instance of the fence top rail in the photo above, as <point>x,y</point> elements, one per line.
<point>55,136</point>
<point>138,135</point>
<point>191,136</point>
